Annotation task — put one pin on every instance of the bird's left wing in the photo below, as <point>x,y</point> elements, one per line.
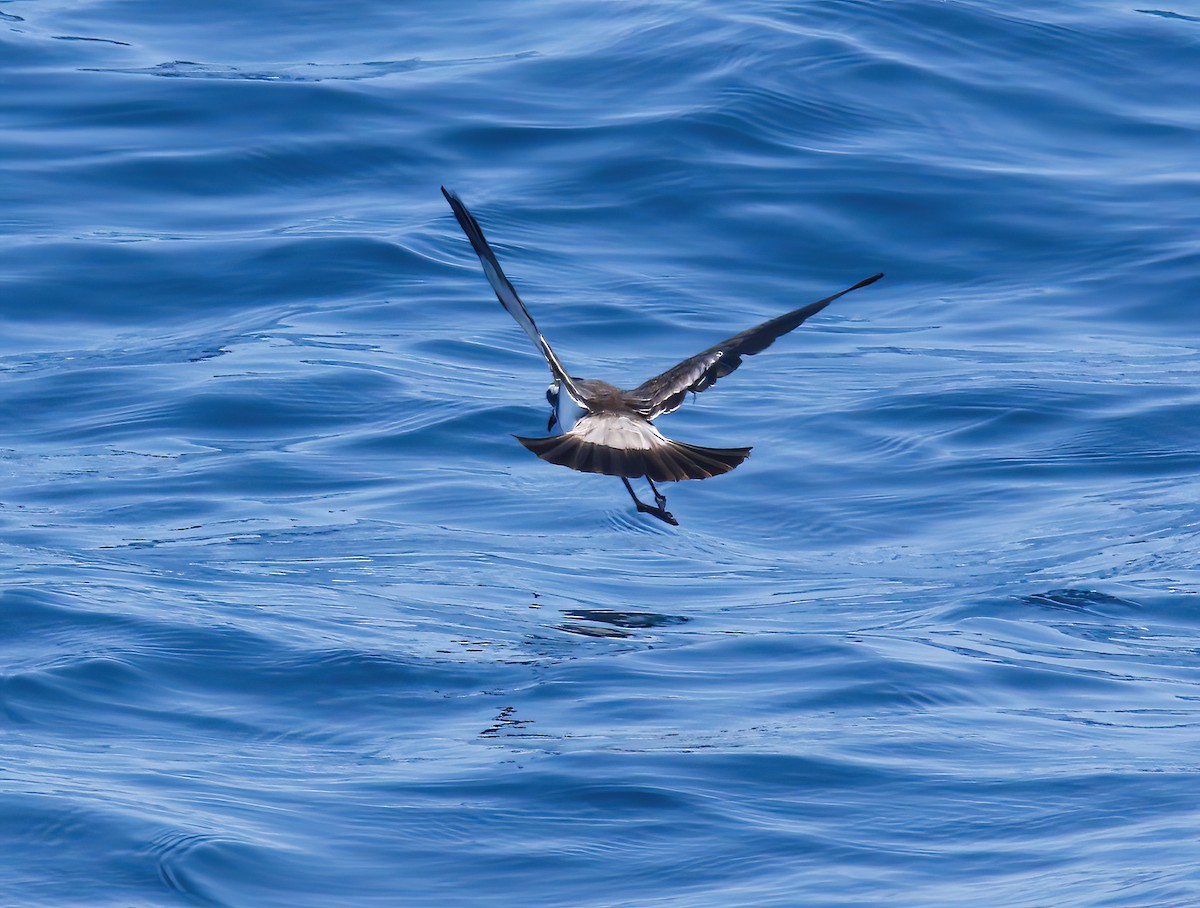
<point>505,292</point>
<point>664,393</point>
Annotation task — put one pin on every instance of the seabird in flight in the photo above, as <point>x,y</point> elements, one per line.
<point>604,429</point>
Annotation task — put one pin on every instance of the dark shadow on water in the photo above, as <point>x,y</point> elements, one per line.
<point>615,621</point>
<point>1168,14</point>
<point>1078,600</point>
<point>507,724</point>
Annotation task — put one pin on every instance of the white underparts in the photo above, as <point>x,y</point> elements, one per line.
<point>566,410</point>
<point>614,430</point>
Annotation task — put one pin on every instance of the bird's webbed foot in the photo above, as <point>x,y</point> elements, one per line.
<point>658,509</point>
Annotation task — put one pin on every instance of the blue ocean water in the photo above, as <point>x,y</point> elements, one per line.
<point>289,618</point>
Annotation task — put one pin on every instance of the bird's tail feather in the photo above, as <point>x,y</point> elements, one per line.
<point>668,462</point>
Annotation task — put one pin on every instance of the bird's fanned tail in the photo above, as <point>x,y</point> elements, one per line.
<point>670,461</point>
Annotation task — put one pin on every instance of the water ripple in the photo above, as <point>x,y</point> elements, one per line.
<point>289,617</point>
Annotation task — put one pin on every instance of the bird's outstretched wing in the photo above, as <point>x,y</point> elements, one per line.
<point>505,291</point>
<point>664,393</point>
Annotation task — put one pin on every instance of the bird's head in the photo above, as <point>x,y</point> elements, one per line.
<point>552,400</point>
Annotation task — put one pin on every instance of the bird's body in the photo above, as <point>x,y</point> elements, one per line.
<point>614,436</point>
<point>607,430</point>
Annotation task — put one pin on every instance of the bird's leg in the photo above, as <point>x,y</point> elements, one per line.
<point>659,498</point>
<point>643,508</point>
<point>641,505</point>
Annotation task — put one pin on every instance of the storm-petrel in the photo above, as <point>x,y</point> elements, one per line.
<point>607,430</point>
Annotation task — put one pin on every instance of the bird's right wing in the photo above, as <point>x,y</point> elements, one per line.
<point>664,393</point>
<point>505,291</point>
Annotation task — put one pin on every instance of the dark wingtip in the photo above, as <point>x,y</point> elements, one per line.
<point>872,279</point>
